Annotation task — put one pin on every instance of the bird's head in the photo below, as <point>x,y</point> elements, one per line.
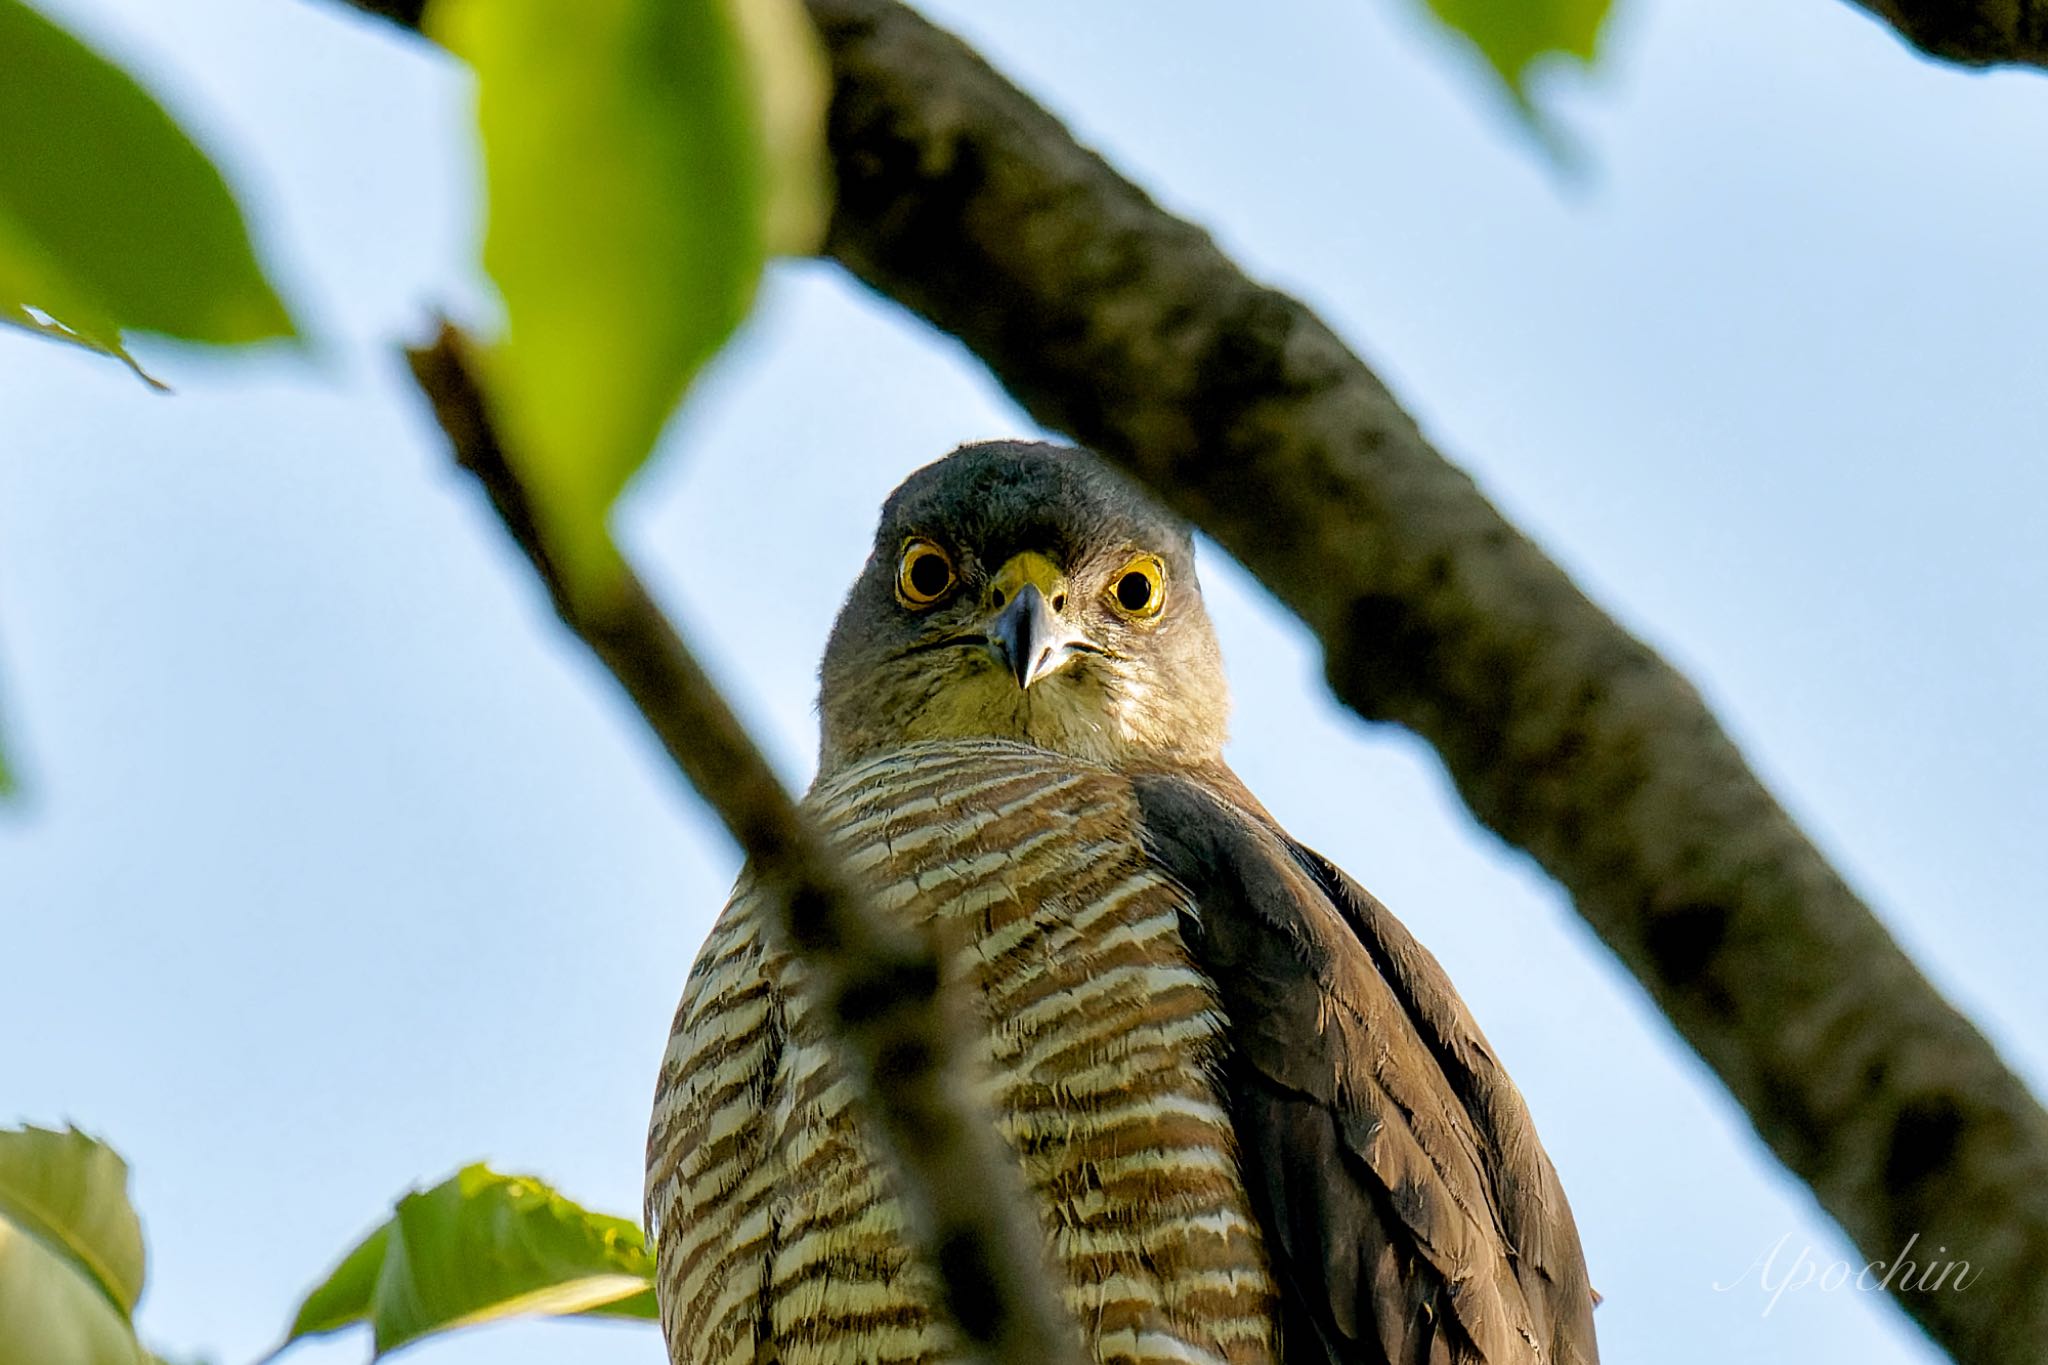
<point>1026,592</point>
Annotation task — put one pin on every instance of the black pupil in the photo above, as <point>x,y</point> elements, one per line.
<point>1134,591</point>
<point>929,574</point>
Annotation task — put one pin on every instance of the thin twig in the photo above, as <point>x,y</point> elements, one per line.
<point>881,987</point>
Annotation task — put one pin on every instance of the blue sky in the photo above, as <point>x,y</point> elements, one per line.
<point>343,868</point>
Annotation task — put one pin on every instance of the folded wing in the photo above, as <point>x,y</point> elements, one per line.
<point>1411,1215</point>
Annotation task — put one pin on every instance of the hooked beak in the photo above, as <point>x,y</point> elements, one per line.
<point>1028,635</point>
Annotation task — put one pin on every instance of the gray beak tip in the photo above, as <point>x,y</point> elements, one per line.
<point>1031,639</point>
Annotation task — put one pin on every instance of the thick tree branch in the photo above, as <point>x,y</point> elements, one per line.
<point>882,988</point>
<point>1971,32</point>
<point>1111,320</point>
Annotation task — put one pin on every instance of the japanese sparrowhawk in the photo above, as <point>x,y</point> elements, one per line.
<point>1258,1123</point>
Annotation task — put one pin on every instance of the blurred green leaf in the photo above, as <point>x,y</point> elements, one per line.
<point>790,85</point>
<point>344,1297</point>
<point>10,783</point>
<point>110,218</point>
<point>1513,35</point>
<point>71,1258</point>
<point>641,159</point>
<point>477,1248</point>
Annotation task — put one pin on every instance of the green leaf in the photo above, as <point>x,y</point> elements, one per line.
<point>1514,35</point>
<point>641,159</point>
<point>477,1248</point>
<point>71,1259</point>
<point>343,1299</point>
<point>790,85</point>
<point>10,784</point>
<point>16,316</point>
<point>110,218</point>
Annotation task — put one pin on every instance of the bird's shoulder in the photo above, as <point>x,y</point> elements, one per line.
<point>1411,1212</point>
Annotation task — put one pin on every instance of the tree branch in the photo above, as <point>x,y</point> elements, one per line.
<point>881,987</point>
<point>404,13</point>
<point>1111,320</point>
<point>1971,32</point>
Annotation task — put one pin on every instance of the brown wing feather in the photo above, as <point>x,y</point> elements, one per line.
<point>1410,1213</point>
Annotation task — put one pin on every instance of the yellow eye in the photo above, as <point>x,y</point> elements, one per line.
<point>923,574</point>
<point>1139,588</point>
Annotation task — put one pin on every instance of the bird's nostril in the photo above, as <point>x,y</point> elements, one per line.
<point>1059,601</point>
<point>998,598</point>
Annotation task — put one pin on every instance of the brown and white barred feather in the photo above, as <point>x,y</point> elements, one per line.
<point>777,1240</point>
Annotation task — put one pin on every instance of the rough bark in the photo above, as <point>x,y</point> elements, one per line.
<point>957,1182</point>
<point>1114,322</point>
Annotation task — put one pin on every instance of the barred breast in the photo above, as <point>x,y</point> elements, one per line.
<point>778,1240</point>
